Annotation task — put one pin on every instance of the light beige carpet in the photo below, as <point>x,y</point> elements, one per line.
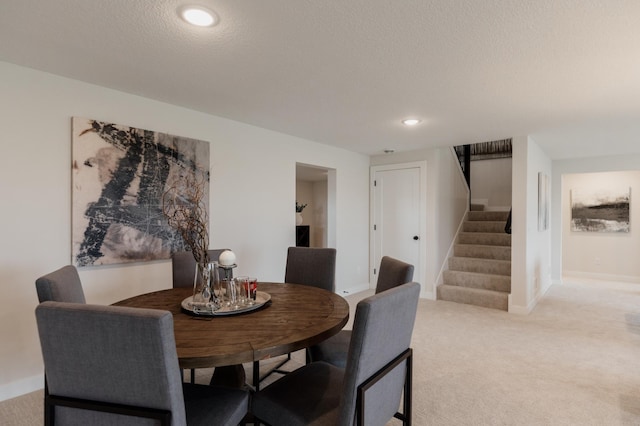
<point>575,360</point>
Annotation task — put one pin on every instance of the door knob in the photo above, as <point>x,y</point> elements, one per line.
<point>416,238</point>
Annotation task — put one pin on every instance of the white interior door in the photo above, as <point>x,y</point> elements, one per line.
<point>398,216</point>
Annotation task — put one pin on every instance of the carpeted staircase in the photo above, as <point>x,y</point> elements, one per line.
<point>480,269</point>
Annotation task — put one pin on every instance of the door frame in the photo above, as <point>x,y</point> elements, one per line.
<point>420,269</point>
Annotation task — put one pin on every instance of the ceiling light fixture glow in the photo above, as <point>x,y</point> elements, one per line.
<point>410,121</point>
<point>199,16</point>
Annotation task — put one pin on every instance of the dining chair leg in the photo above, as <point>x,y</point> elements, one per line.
<point>229,376</point>
<point>256,375</point>
<point>49,412</point>
<point>278,368</point>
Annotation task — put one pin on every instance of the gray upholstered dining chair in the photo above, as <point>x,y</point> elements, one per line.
<point>392,273</point>
<point>61,285</point>
<point>109,365</point>
<point>369,390</point>
<point>312,266</point>
<point>183,267</point>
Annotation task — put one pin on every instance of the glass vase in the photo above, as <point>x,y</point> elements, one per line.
<point>202,291</point>
<point>216,285</point>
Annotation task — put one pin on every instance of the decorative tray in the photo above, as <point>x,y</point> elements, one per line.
<point>262,299</point>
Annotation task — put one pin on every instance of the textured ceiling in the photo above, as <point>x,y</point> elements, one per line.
<point>345,72</point>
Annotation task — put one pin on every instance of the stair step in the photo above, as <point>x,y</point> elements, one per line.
<point>485,238</point>
<point>473,296</point>
<point>499,216</point>
<point>480,269</point>
<point>484,266</point>
<point>482,252</point>
<point>483,226</point>
<point>477,280</point>
<point>476,207</point>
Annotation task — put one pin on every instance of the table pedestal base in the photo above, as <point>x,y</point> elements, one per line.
<point>231,376</point>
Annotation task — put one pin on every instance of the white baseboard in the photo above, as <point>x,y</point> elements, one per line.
<point>522,310</point>
<point>526,310</point>
<point>364,287</point>
<point>600,277</point>
<point>483,201</point>
<point>427,295</point>
<point>21,387</point>
<point>355,289</point>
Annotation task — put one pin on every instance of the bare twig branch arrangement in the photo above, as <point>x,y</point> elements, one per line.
<point>184,204</point>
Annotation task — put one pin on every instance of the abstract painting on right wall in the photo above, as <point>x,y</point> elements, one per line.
<point>600,209</point>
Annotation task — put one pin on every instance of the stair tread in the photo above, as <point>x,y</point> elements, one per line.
<point>493,239</point>
<point>484,232</point>
<point>481,265</point>
<point>476,290</point>
<point>492,299</point>
<point>487,215</point>
<point>475,276</point>
<point>500,234</point>
<point>480,259</point>
<point>487,246</point>
<point>483,226</point>
<point>480,251</point>
<point>477,280</point>
<point>479,274</point>
<point>492,221</point>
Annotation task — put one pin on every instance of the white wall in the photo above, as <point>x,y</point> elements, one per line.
<point>447,203</point>
<point>319,224</point>
<point>491,182</point>
<point>250,167</point>
<point>617,253</point>
<point>530,248</point>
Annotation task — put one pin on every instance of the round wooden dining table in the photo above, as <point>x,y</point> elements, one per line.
<point>297,316</point>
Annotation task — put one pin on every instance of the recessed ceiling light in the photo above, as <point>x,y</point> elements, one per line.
<point>198,15</point>
<point>410,121</point>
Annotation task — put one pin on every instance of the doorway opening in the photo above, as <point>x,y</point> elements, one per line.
<point>316,191</point>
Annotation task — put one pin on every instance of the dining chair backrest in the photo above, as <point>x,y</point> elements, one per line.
<point>61,285</point>
<point>110,354</point>
<point>382,330</point>
<point>183,267</point>
<point>392,273</point>
<point>334,350</point>
<point>368,391</point>
<point>311,266</point>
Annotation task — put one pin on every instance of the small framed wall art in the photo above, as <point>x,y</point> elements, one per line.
<point>600,209</point>
<point>543,202</point>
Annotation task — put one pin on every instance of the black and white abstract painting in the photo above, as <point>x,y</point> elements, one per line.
<point>119,176</point>
<point>600,209</point>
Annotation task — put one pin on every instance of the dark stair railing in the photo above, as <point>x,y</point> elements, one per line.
<point>481,151</point>
<point>463,152</point>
